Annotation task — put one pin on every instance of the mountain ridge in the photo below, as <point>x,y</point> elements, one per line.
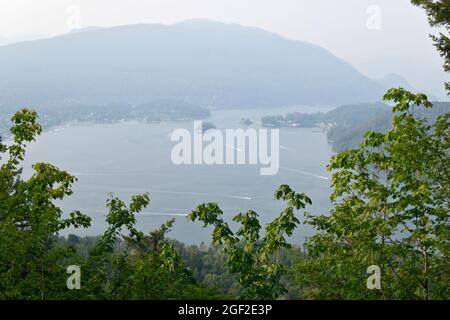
<point>227,65</point>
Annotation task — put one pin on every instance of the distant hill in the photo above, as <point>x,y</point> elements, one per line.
<point>344,137</point>
<point>56,113</point>
<point>197,61</point>
<point>92,28</point>
<point>393,80</point>
<point>346,116</point>
<point>346,125</point>
<point>8,41</point>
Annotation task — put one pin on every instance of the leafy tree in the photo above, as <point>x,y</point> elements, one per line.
<point>100,267</point>
<point>391,209</point>
<point>155,269</point>
<point>33,260</point>
<point>29,220</point>
<point>256,261</point>
<point>134,265</point>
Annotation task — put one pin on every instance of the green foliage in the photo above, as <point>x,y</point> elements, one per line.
<point>33,259</point>
<point>391,209</point>
<point>256,261</point>
<point>29,220</point>
<point>145,267</point>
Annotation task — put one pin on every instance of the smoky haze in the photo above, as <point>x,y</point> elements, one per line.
<point>378,37</point>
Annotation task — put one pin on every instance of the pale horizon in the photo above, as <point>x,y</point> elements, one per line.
<point>399,45</point>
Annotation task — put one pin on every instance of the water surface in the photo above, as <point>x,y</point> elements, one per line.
<point>134,157</point>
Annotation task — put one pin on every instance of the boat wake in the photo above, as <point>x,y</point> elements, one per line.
<point>163,214</point>
<point>204,194</point>
<point>287,148</point>
<point>305,173</point>
<point>182,193</point>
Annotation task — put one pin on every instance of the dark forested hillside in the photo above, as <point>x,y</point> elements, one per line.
<point>345,126</point>
<point>345,136</point>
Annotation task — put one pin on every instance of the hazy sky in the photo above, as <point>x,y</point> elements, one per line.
<point>375,36</point>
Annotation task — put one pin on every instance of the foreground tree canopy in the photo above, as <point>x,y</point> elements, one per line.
<point>390,212</point>
<point>391,209</point>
